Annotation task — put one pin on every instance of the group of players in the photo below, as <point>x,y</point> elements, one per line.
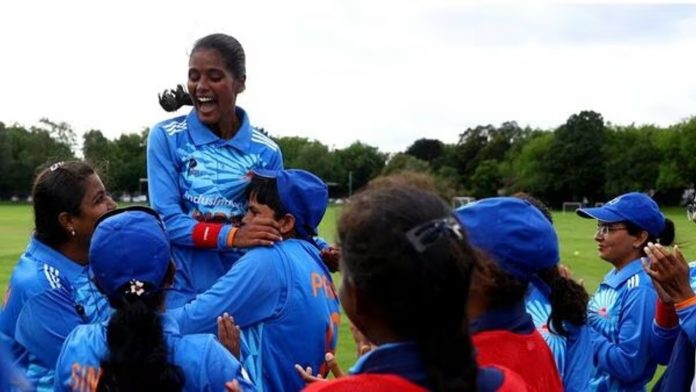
<point>131,299</point>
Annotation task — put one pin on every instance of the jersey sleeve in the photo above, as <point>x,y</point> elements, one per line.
<point>221,367</point>
<point>627,358</point>
<point>276,162</point>
<point>165,198</point>
<point>578,366</point>
<point>251,291</point>
<point>687,321</point>
<point>44,323</point>
<point>63,374</point>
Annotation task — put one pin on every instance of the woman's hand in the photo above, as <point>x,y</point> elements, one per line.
<point>228,334</point>
<point>331,255</point>
<point>670,271</point>
<point>331,362</point>
<point>262,231</point>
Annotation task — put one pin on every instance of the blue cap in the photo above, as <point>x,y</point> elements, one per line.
<point>303,195</point>
<point>513,232</point>
<point>129,245</point>
<point>634,207</point>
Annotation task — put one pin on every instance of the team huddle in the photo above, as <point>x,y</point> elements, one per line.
<point>223,284</point>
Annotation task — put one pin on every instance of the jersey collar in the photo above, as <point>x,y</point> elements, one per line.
<point>201,134</point>
<point>402,359</point>
<point>616,278</point>
<point>47,255</point>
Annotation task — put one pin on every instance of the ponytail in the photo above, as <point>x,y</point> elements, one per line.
<point>568,301</point>
<point>172,100</point>
<point>412,265</point>
<point>138,354</point>
<point>443,331</point>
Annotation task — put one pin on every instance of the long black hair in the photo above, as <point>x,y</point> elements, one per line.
<point>567,297</point>
<point>58,188</point>
<point>138,357</point>
<point>418,284</point>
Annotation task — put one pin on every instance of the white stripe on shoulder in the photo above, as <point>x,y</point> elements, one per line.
<point>633,281</point>
<point>174,127</point>
<point>265,141</point>
<point>52,276</point>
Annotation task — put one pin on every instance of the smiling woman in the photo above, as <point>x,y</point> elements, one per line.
<point>198,164</point>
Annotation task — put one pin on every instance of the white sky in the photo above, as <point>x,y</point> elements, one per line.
<point>386,72</point>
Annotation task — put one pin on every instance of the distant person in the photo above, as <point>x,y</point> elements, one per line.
<point>622,309</point>
<point>406,268</point>
<point>519,244</point>
<point>139,349</point>
<point>675,317</point>
<point>197,169</point>
<point>558,306</point>
<point>282,297</point>
<point>50,291</point>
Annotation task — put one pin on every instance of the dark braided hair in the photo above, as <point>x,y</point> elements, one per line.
<point>138,357</point>
<point>421,296</point>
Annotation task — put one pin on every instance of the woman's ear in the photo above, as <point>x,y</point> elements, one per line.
<point>66,222</point>
<point>641,240</point>
<point>241,84</point>
<point>287,224</point>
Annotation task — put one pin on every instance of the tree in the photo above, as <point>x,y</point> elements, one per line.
<point>358,161</point>
<point>574,164</point>
<point>486,180</point>
<point>401,162</point>
<point>426,149</point>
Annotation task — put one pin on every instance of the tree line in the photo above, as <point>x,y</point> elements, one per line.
<point>584,159</point>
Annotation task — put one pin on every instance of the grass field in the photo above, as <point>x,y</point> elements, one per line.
<point>578,250</point>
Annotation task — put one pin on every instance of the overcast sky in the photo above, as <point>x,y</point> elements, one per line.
<point>380,71</point>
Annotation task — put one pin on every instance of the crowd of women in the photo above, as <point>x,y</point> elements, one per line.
<point>223,284</point>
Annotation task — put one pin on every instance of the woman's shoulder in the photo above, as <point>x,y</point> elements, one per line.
<point>171,126</point>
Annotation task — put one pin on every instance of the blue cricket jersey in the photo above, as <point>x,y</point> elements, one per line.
<point>572,354</point>
<point>620,315</point>
<point>285,303</point>
<point>206,364</point>
<point>680,349</point>
<point>196,177</point>
<point>47,297</point>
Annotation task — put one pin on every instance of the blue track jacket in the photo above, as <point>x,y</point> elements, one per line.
<point>48,296</point>
<point>206,364</point>
<point>285,302</point>
<point>620,315</point>
<point>572,354</point>
<point>677,346</point>
<point>194,176</point>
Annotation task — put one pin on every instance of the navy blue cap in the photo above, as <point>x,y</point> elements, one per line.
<point>513,232</point>
<point>635,207</point>
<point>304,196</point>
<point>129,245</point>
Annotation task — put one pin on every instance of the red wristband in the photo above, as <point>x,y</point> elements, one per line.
<point>205,235</point>
<point>665,315</point>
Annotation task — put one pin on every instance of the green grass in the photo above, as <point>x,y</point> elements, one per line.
<point>578,251</point>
